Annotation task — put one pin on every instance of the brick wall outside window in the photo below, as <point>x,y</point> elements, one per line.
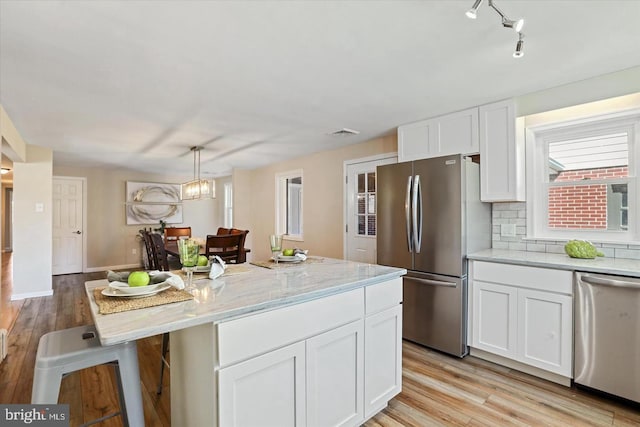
<point>581,206</point>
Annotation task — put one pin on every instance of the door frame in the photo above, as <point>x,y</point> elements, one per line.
<point>84,215</point>
<point>345,192</point>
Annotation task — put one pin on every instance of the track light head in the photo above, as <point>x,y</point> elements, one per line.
<point>519,53</point>
<point>515,25</point>
<point>471,13</point>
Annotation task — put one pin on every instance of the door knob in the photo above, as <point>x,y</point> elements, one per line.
<point>78,232</point>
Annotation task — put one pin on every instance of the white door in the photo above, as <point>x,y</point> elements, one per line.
<point>383,362</point>
<point>266,391</point>
<point>335,377</point>
<point>67,225</point>
<point>360,204</point>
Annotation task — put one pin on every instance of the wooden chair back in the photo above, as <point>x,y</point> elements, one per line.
<point>148,246</point>
<point>160,255</point>
<point>174,233</point>
<point>225,231</point>
<point>227,246</point>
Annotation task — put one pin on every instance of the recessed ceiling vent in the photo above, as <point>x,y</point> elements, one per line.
<point>344,132</point>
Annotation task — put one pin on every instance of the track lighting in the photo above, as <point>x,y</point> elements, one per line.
<point>471,13</point>
<point>506,22</point>
<point>519,52</point>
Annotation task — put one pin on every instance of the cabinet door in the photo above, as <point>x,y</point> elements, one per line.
<point>545,330</point>
<point>268,390</point>
<point>457,133</point>
<point>335,377</point>
<point>383,358</point>
<point>501,153</point>
<point>494,318</point>
<point>416,141</point>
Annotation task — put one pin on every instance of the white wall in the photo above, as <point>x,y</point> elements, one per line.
<point>32,185</point>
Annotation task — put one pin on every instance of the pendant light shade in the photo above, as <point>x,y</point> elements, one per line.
<point>197,188</point>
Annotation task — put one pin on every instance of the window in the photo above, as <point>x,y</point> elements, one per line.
<point>289,204</point>
<point>581,179</point>
<point>366,202</point>
<point>228,205</point>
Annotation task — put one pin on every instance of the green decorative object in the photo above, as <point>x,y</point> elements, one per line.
<point>581,249</point>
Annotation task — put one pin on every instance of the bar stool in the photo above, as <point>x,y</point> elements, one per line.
<point>69,350</point>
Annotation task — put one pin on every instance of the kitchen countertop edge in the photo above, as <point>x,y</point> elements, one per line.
<point>617,266</point>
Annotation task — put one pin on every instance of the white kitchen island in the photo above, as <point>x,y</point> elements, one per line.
<point>316,344</point>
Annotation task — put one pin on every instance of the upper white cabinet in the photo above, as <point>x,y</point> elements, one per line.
<point>440,136</point>
<point>502,177</point>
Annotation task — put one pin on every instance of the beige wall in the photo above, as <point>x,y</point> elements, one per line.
<point>110,242</point>
<point>32,229</point>
<point>323,205</point>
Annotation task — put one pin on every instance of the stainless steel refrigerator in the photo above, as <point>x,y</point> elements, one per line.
<point>429,218</point>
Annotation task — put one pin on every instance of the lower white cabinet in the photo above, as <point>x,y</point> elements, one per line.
<point>524,314</point>
<point>383,362</point>
<point>335,377</point>
<point>244,390</point>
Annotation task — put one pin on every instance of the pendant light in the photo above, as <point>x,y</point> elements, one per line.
<point>198,188</point>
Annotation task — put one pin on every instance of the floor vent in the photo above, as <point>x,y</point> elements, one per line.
<point>3,344</point>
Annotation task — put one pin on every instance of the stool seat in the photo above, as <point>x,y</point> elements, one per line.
<point>69,350</point>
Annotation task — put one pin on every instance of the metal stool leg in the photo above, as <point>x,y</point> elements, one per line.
<point>130,385</point>
<point>163,360</point>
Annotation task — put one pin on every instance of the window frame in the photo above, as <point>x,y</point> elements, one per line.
<point>537,176</point>
<point>281,204</point>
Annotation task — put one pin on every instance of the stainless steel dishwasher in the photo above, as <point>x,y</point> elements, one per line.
<point>607,334</point>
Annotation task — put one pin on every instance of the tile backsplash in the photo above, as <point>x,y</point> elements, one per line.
<point>516,214</point>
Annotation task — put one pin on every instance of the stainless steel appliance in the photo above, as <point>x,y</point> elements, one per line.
<point>429,217</point>
<point>607,334</point>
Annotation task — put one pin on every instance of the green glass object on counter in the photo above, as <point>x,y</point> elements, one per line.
<point>189,251</point>
<point>581,249</point>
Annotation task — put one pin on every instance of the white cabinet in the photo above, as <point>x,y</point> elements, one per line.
<point>495,318</point>
<point>383,364</point>
<point>243,389</point>
<point>523,313</point>
<point>335,377</point>
<point>502,167</point>
<point>440,136</point>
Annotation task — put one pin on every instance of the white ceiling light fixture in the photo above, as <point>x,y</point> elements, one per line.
<point>5,171</point>
<point>197,188</point>
<point>515,25</point>
<point>472,13</point>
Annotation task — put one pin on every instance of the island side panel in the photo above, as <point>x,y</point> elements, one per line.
<point>194,400</point>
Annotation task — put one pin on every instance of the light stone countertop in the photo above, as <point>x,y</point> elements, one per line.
<point>229,296</point>
<point>618,266</point>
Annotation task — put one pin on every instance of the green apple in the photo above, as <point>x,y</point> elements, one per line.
<point>203,261</point>
<point>288,252</point>
<point>138,278</point>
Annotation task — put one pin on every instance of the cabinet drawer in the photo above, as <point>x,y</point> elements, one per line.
<point>250,336</point>
<point>544,279</point>
<point>383,295</point>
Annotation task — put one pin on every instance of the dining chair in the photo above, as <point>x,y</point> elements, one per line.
<point>229,247</point>
<point>243,251</point>
<point>148,246</point>
<point>174,233</point>
<point>159,254</point>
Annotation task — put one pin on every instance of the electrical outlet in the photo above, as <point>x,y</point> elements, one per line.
<point>508,230</point>
<point>134,251</point>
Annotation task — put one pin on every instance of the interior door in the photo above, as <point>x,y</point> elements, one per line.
<point>361,231</point>
<point>67,225</point>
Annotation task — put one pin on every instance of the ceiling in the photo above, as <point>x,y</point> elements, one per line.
<point>134,84</point>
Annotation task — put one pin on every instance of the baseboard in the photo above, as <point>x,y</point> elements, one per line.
<point>111,267</point>
<point>4,337</point>
<point>518,366</point>
<point>16,297</point>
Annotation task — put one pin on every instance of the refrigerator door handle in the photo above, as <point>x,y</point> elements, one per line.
<point>407,212</point>
<point>433,282</point>
<point>417,214</point>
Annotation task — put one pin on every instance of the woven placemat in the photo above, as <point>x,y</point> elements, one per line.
<point>109,305</point>
<point>271,264</point>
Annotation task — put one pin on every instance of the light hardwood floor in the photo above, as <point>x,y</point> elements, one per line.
<point>438,390</point>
